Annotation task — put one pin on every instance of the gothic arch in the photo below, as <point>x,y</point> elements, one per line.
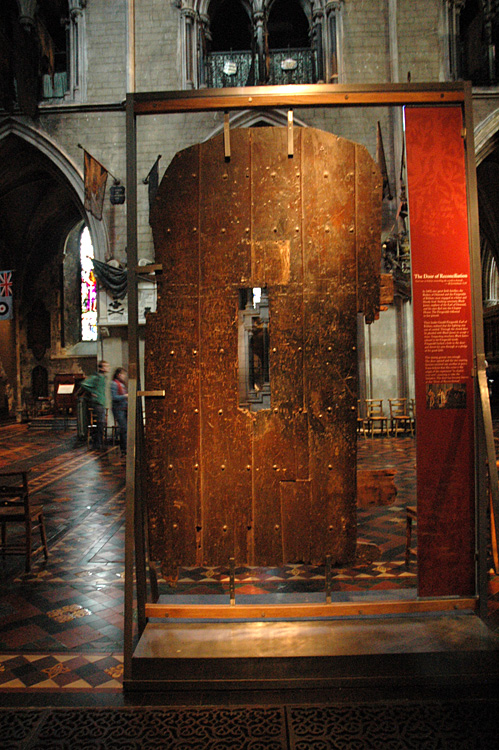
<point>487,136</point>
<point>69,170</point>
<point>486,145</point>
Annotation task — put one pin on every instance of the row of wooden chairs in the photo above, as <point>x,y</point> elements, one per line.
<point>371,416</point>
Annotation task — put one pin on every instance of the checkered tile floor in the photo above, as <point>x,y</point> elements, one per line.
<point>61,626</point>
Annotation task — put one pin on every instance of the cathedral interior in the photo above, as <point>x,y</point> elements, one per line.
<point>258,277</point>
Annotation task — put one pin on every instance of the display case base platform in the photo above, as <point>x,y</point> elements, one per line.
<point>433,648</point>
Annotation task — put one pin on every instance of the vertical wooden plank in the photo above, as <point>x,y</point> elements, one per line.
<point>174,221</point>
<point>224,215</point>
<point>226,437</point>
<point>295,521</point>
<point>286,348</point>
<point>276,218</point>
<point>173,432</point>
<point>277,264</point>
<point>271,461</point>
<point>225,429</point>
<point>368,197</point>
<point>330,340</point>
<point>172,363</point>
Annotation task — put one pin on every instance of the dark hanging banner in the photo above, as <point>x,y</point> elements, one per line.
<point>95,185</point>
<point>152,182</point>
<point>381,161</point>
<point>112,279</point>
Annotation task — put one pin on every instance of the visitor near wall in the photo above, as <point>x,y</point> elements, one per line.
<point>95,385</point>
<point>119,398</point>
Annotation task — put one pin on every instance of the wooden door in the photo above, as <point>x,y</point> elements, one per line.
<point>277,484</point>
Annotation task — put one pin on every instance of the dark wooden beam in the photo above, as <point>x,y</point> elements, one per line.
<point>313,95</point>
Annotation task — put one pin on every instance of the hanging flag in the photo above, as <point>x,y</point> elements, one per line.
<point>381,161</point>
<point>152,181</point>
<point>95,185</point>
<point>6,302</point>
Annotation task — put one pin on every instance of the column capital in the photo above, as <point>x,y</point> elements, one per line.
<point>27,13</point>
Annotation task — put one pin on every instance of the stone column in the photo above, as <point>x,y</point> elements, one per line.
<point>317,45</point>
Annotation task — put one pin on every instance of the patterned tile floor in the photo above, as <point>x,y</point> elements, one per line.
<point>61,626</point>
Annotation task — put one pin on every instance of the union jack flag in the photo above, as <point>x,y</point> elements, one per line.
<point>5,283</point>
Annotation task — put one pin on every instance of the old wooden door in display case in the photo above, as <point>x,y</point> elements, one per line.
<point>266,261</point>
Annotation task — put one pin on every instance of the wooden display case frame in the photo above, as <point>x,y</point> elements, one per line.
<point>291,98</point>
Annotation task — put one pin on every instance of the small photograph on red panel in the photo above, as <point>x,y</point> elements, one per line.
<point>446,396</point>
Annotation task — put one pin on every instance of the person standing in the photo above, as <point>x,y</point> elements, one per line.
<point>119,399</point>
<point>95,386</point>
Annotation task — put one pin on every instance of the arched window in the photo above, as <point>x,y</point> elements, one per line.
<point>88,288</point>
<point>230,25</point>
<point>60,26</point>
<point>78,289</point>
<point>230,59</point>
<point>291,57</point>
<point>42,49</point>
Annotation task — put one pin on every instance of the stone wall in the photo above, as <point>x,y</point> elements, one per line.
<point>99,123</point>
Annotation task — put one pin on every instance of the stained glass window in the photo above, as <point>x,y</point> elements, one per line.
<point>88,289</point>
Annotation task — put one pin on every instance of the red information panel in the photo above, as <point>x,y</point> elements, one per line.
<point>443,350</point>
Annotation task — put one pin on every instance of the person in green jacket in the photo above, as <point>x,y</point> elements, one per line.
<point>96,386</point>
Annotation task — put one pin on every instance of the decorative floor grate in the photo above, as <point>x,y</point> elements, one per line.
<point>444,725</point>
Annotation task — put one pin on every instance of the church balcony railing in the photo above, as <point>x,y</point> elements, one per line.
<point>292,66</point>
<point>229,69</point>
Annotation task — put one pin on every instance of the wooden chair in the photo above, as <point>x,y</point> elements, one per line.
<point>15,507</point>
<point>376,416</point>
<point>412,413</point>
<point>399,416</point>
<point>361,421</point>
<point>411,515</point>
<point>92,427</point>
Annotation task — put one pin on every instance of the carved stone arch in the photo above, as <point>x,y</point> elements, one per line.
<point>486,142</point>
<point>306,6</point>
<point>69,170</point>
<point>486,136</point>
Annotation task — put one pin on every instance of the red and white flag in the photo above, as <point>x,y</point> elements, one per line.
<point>5,295</point>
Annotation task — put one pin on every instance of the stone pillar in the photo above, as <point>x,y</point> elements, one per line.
<point>27,13</point>
<point>189,24</point>
<point>317,45</point>
<point>204,43</point>
<point>489,13</point>
<point>260,29</point>
<point>332,51</point>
